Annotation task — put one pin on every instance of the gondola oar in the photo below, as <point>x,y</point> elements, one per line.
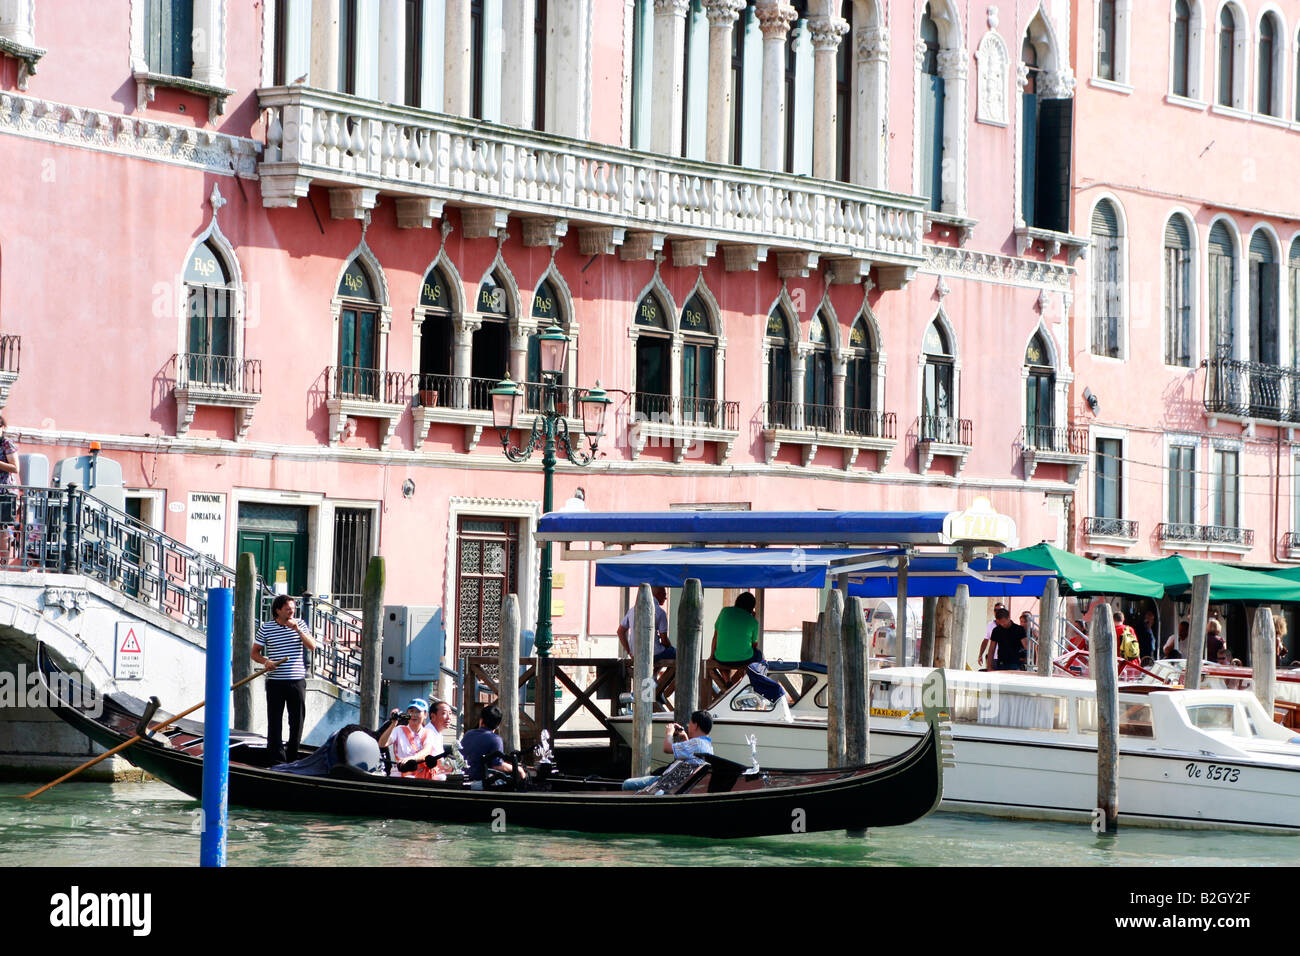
<point>138,737</point>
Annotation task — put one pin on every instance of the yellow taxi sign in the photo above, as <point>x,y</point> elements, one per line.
<point>980,523</point>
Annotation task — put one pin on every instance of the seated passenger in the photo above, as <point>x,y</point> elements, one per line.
<point>735,636</point>
<point>684,743</point>
<point>479,746</point>
<point>412,740</point>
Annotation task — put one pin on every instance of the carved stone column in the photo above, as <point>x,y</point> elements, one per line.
<point>722,19</point>
<point>839,367</point>
<point>458,62</point>
<point>517,66</point>
<point>954,69</point>
<point>392,51</point>
<point>670,59</point>
<point>324,44</point>
<point>774,18</point>
<point>796,386</point>
<point>872,78</point>
<point>463,330</point>
<point>826,33</point>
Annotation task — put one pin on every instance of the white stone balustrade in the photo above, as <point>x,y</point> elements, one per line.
<point>339,141</point>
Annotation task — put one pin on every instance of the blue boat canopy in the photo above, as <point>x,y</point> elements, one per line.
<point>869,573</point>
<point>977,525</point>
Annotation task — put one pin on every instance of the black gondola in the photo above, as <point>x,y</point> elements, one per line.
<point>719,800</point>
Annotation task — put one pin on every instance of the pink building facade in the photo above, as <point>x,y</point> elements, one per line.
<point>815,252</point>
<point>1189,310</point>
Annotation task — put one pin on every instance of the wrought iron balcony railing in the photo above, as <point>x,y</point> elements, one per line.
<point>1205,534</point>
<point>1070,440</point>
<point>860,422</point>
<point>945,431</point>
<point>224,373</point>
<point>70,531</point>
<point>1110,528</point>
<point>366,385</point>
<point>678,410</point>
<point>1291,541</point>
<point>1252,390</point>
<point>475,394</point>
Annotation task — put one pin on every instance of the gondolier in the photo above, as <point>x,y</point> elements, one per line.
<point>284,639</point>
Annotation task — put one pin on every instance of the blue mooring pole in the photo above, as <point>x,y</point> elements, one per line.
<point>216,728</point>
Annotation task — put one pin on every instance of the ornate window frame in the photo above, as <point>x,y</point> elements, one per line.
<point>209,79</point>
<point>341,408</point>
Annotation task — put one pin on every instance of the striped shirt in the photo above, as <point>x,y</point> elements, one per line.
<point>282,642</point>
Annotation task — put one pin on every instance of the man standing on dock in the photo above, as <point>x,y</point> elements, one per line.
<point>1009,643</point>
<point>284,640</point>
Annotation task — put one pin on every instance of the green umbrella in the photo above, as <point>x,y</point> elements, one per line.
<point>1175,573</point>
<point>1083,575</point>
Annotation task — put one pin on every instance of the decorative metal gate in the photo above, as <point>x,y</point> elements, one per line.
<point>487,557</point>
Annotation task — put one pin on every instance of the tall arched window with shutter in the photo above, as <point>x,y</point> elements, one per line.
<point>1227,57</point>
<point>1267,89</point>
<point>1040,392</point>
<point>779,343</point>
<point>1107,281</point>
<point>654,373</point>
<point>931,116</point>
<point>358,334</point>
<point>210,304</point>
<point>860,412</point>
<point>437,337</point>
<point>699,358</point>
<point>1182,48</point>
<point>1178,292</point>
<point>938,398</point>
<point>819,412</point>
<point>1223,285</point>
<point>1106,36</point>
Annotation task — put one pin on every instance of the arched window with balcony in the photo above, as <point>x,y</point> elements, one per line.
<point>359,333</point>
<point>1265,277</point>
<point>1268,82</point>
<point>654,349</point>
<point>437,339</point>
<point>938,387</point>
<point>861,402</point>
<point>1040,396</point>
<point>699,362</point>
<point>490,342</point>
<point>1178,286</point>
<point>210,298</point>
<point>818,403</point>
<point>780,345</point>
<point>1107,281</point>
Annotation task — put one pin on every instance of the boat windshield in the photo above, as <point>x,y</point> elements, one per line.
<point>993,706</point>
<point>1211,716</point>
<point>1134,718</point>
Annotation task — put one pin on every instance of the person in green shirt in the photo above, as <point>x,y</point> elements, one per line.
<point>735,634</point>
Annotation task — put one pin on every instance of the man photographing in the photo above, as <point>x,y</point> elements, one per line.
<point>285,640</point>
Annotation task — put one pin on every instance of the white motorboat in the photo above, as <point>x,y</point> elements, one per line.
<point>1026,746</point>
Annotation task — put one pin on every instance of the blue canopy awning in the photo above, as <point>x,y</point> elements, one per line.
<point>872,528</point>
<point>870,573</point>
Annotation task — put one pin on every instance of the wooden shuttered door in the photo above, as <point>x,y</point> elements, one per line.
<point>1222,278</point>
<point>1264,278</point>
<point>1052,182</point>
<point>932,96</point>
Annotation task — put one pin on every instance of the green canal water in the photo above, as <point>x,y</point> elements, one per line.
<point>150,824</point>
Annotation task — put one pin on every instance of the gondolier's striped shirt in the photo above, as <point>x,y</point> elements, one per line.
<point>282,642</point>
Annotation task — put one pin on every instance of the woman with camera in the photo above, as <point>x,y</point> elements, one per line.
<point>413,740</point>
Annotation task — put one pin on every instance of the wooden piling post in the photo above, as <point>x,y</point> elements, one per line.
<point>1196,631</point>
<point>690,650</point>
<point>830,620</point>
<point>1049,611</point>
<point>508,660</point>
<point>960,615</point>
<point>372,641</point>
<point>1263,659</point>
<point>1101,648</point>
<point>900,619</point>
<point>857,649</point>
<point>242,646</point>
<point>929,610</point>
<point>643,680</point>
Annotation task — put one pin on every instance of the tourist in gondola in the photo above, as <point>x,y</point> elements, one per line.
<point>684,743</point>
<point>482,748</point>
<point>412,741</point>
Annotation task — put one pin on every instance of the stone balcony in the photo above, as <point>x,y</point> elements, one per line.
<point>220,381</point>
<point>617,200</point>
<point>852,430</point>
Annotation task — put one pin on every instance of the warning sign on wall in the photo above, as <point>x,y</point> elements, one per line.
<point>128,657</point>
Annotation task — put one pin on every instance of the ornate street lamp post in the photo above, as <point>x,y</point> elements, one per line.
<point>550,431</point>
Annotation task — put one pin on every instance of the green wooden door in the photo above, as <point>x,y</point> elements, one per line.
<point>276,536</point>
